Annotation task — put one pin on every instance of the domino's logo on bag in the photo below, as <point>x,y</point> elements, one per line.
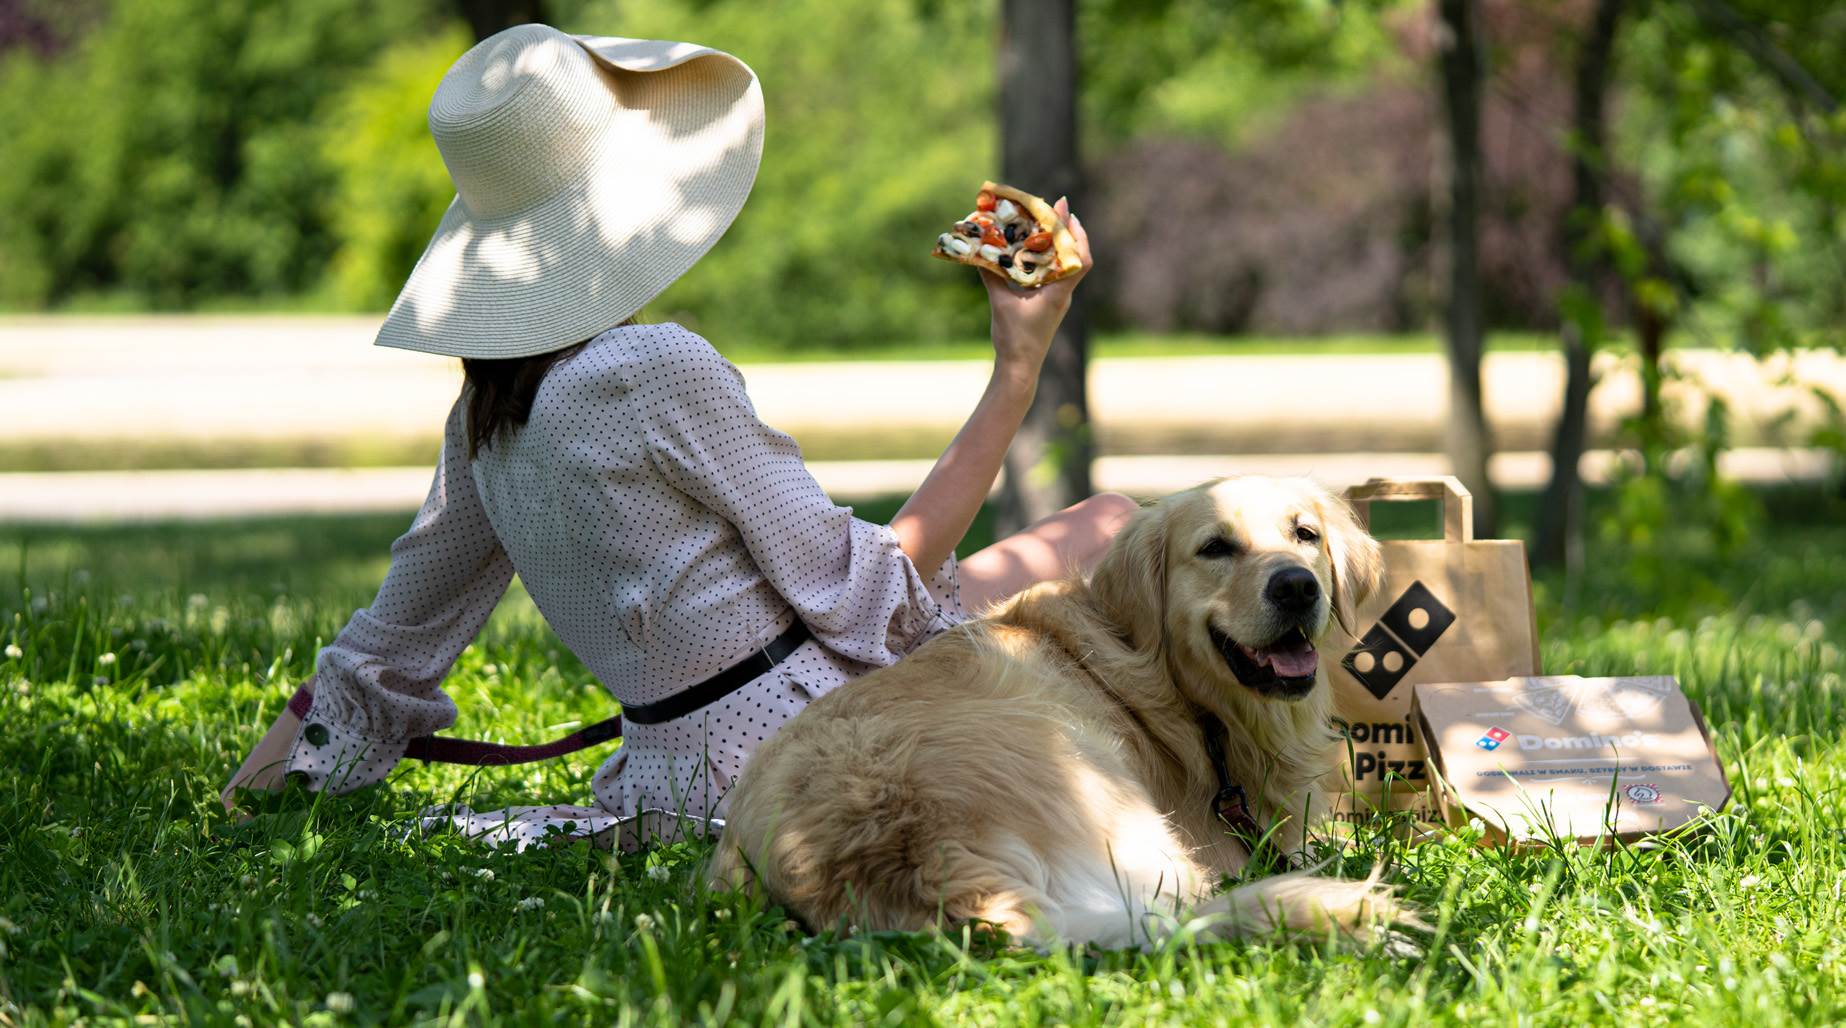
<point>1404,633</point>
<point>1492,740</point>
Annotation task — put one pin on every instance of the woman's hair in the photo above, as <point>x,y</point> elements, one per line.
<point>500,392</point>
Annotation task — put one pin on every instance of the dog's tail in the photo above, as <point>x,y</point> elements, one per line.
<point>1366,911</point>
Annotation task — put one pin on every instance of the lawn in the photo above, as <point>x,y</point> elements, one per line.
<point>149,657</point>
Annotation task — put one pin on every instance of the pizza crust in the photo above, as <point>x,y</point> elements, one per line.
<point>1065,261</point>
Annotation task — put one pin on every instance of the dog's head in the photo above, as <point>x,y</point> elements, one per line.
<point>1240,579</point>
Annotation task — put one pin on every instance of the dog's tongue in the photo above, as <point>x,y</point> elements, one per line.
<point>1294,659</point>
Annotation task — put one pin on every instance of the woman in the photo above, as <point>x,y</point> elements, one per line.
<point>673,541</point>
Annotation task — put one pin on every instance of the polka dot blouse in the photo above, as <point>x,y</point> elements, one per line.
<point>665,533</point>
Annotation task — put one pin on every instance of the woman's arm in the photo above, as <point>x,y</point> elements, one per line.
<point>378,684</point>
<point>938,514</point>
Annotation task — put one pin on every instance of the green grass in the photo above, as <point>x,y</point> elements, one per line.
<point>126,893</point>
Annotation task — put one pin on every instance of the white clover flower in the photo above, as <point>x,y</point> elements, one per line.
<point>314,921</point>
<point>485,874</point>
<point>644,922</point>
<point>239,987</point>
<point>658,873</point>
<point>490,669</point>
<point>197,600</point>
<point>340,1002</point>
<point>106,659</point>
<point>530,903</point>
<point>13,652</point>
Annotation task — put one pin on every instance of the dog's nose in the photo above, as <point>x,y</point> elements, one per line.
<point>1294,590</point>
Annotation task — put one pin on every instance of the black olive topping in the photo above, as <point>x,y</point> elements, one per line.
<point>1005,261</point>
<point>1009,235</point>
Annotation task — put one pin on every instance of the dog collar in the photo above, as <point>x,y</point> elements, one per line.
<point>1231,805</point>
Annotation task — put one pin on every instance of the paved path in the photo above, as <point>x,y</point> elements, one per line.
<point>320,377</point>
<point>182,495</point>
<point>156,380</point>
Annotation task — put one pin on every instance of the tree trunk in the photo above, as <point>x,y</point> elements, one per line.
<point>486,17</point>
<point>1650,329</point>
<point>1048,466</point>
<point>1468,439</point>
<point>1560,515</point>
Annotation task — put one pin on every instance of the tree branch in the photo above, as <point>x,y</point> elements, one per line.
<point>1772,58</point>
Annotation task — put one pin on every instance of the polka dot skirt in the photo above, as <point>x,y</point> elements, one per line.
<point>665,533</point>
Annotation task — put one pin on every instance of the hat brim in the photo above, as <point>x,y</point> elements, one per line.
<point>669,174</point>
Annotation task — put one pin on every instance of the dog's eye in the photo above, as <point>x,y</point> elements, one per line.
<point>1306,534</point>
<point>1218,546</point>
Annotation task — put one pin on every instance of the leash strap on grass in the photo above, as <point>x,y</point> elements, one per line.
<point>438,749</point>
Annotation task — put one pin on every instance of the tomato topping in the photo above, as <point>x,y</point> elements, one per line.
<point>984,202</point>
<point>1038,241</point>
<point>992,236</point>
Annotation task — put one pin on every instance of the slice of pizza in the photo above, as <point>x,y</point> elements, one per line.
<point>1014,234</point>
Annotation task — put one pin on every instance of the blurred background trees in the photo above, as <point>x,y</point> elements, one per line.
<point>1631,174</point>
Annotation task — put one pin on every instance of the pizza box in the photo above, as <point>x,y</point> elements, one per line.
<point>1568,757</point>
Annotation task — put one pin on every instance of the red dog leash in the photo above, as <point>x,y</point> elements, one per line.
<point>440,749</point>
<point>443,750</point>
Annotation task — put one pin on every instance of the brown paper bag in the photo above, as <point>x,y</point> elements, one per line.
<point>1455,609</point>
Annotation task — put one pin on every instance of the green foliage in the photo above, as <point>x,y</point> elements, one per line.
<point>1217,71</point>
<point>151,656</point>
<point>185,153</point>
<point>878,131</point>
<point>1675,515</point>
<point>390,187</point>
<point>171,153</point>
<point>1747,177</point>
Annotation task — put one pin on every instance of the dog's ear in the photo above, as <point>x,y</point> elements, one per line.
<point>1358,561</point>
<point>1131,579</point>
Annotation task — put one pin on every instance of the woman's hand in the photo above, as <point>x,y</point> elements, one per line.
<point>938,514</point>
<point>1025,320</point>
<point>262,769</point>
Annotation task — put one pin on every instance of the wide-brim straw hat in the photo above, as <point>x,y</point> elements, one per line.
<point>590,172</point>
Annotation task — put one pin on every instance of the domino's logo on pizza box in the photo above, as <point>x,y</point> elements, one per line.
<point>1493,739</point>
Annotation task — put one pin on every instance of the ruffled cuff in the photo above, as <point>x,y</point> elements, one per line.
<point>335,759</point>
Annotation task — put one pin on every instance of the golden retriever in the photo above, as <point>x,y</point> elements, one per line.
<point>1045,768</point>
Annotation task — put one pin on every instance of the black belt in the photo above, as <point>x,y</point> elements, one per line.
<point>723,683</point>
<point>446,750</point>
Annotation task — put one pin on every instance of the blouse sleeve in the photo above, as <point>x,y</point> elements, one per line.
<point>848,579</point>
<point>378,685</point>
